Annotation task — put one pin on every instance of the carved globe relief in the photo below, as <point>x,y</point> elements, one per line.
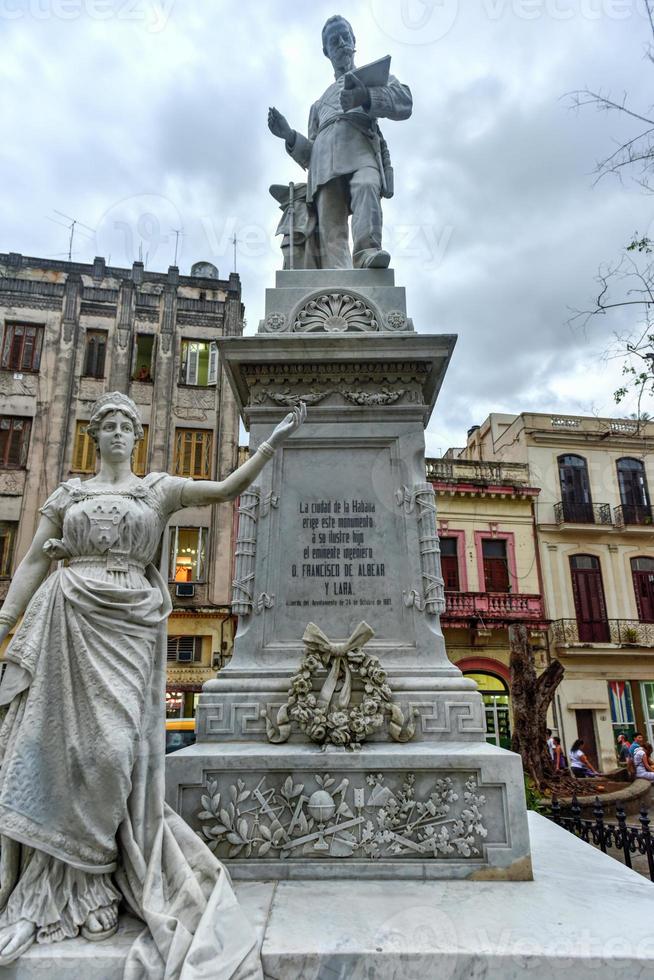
<point>335,313</point>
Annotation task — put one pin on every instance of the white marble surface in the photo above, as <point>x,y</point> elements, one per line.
<point>583,915</point>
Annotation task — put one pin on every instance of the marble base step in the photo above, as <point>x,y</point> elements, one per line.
<point>415,810</point>
<point>545,929</point>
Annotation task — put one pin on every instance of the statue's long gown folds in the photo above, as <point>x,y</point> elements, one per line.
<point>82,813</point>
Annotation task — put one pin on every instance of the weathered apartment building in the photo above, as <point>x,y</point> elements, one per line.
<point>72,331</point>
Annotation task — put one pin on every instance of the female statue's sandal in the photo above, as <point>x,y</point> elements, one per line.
<point>97,936</point>
<point>24,946</point>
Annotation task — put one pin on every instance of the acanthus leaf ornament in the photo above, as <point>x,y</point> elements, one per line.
<point>335,313</point>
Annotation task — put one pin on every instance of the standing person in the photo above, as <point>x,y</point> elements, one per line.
<point>642,762</point>
<point>623,748</point>
<point>346,155</point>
<point>560,761</point>
<point>550,743</point>
<point>580,765</point>
<point>82,815</point>
<point>638,743</point>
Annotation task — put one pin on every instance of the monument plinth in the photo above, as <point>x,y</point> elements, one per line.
<point>352,746</point>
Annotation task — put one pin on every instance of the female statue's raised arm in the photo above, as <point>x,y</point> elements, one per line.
<point>28,576</point>
<point>200,492</point>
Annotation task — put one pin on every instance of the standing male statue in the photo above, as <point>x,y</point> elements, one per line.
<point>346,156</point>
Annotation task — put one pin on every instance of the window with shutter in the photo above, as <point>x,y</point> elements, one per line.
<point>8,530</point>
<point>140,454</point>
<point>193,453</point>
<point>84,454</point>
<point>187,554</point>
<point>14,441</point>
<point>199,363</point>
<point>496,567</point>
<point>21,348</point>
<point>213,364</point>
<point>95,353</point>
<point>450,564</point>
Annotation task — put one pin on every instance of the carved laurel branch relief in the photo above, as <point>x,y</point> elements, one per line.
<point>288,398</point>
<point>253,505</point>
<point>394,815</point>
<point>331,716</point>
<point>422,501</point>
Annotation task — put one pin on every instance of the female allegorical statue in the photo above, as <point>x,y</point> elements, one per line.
<point>83,822</point>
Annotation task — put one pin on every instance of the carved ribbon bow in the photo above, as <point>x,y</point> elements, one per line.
<point>339,653</point>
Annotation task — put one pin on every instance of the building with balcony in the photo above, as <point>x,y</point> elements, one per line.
<point>596,548</point>
<point>72,331</point>
<point>490,569</point>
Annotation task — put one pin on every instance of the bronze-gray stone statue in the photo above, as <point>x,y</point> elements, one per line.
<point>345,153</point>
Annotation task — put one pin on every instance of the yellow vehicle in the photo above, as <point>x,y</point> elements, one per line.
<point>180,732</point>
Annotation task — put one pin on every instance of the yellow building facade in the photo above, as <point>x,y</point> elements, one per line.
<point>595,534</point>
<point>490,568</point>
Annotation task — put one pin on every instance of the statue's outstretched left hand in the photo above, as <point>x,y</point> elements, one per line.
<point>288,425</point>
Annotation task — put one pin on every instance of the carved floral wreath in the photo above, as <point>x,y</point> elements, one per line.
<point>330,717</point>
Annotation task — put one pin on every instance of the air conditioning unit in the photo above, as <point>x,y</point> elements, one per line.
<point>184,590</point>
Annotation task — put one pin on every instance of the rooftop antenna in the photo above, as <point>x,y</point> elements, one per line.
<point>234,243</point>
<point>74,222</point>
<point>178,232</point>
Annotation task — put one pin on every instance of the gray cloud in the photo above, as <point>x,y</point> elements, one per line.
<point>138,124</point>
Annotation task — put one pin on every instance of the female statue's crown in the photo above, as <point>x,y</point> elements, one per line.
<point>114,401</point>
<point>117,399</point>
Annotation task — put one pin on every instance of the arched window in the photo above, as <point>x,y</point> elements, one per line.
<point>495,694</point>
<point>576,500</point>
<point>642,572</point>
<point>634,494</point>
<point>590,606</point>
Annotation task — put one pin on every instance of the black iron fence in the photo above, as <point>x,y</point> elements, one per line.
<point>624,632</point>
<point>630,839</point>
<point>573,512</point>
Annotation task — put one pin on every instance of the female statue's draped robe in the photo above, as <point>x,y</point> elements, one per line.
<point>82,813</point>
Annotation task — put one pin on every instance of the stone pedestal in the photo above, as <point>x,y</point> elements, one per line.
<point>401,930</point>
<point>341,528</point>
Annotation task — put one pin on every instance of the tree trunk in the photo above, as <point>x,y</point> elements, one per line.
<point>531,696</point>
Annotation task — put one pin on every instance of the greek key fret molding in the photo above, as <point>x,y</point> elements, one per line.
<point>392,815</point>
<point>423,500</point>
<point>236,718</point>
<point>440,717</point>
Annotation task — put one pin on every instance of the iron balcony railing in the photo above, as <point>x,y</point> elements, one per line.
<point>632,514</point>
<point>630,632</point>
<point>570,512</point>
<point>493,605</point>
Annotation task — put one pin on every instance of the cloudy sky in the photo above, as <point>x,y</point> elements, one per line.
<point>138,117</point>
